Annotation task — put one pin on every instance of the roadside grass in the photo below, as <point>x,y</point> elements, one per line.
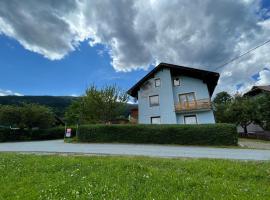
<point>243,143</point>
<point>254,144</point>
<point>75,140</point>
<point>71,140</point>
<point>101,177</point>
<point>253,140</point>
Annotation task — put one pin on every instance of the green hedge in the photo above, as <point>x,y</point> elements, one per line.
<point>207,134</point>
<point>7,134</point>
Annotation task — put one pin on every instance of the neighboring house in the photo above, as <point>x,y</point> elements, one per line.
<point>258,90</point>
<point>255,92</point>
<point>171,94</point>
<point>133,117</point>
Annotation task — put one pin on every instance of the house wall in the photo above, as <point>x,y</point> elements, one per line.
<point>189,84</point>
<point>168,97</point>
<point>166,108</point>
<point>205,117</point>
<point>252,128</point>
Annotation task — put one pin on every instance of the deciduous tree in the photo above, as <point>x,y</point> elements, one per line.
<point>26,116</point>
<point>221,104</point>
<point>98,105</point>
<point>242,111</point>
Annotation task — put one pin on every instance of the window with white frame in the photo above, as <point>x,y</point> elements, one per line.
<point>157,82</point>
<point>176,81</point>
<point>154,100</point>
<point>190,119</point>
<point>155,120</point>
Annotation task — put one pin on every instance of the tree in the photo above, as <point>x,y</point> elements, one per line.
<point>34,115</point>
<point>10,116</point>
<point>97,105</point>
<point>26,116</point>
<point>221,102</point>
<point>73,112</point>
<point>242,111</point>
<point>222,98</point>
<point>263,111</point>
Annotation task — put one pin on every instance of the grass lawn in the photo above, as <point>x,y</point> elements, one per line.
<point>92,177</point>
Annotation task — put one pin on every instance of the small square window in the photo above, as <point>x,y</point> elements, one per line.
<point>176,81</point>
<point>190,119</point>
<point>157,82</point>
<point>154,100</point>
<point>155,120</point>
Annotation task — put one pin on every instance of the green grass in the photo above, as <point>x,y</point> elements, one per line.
<point>92,177</point>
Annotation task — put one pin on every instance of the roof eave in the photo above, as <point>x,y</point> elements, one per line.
<point>211,85</point>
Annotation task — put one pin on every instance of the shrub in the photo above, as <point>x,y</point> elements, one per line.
<point>48,134</point>
<point>3,134</point>
<point>206,134</point>
<point>7,134</point>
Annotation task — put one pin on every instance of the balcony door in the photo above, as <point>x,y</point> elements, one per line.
<point>187,100</point>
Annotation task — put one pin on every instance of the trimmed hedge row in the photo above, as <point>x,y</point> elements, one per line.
<point>7,134</point>
<point>206,134</point>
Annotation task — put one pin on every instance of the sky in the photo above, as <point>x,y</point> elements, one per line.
<point>56,47</point>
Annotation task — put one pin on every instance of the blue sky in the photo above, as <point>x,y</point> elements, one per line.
<point>30,73</point>
<point>46,50</point>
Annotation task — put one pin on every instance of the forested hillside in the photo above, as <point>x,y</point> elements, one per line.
<point>57,103</point>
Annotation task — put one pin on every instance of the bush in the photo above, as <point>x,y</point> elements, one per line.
<point>206,134</point>
<point>7,134</point>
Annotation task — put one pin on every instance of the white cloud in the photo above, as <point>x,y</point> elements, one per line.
<point>140,33</point>
<point>264,77</point>
<point>74,95</point>
<point>40,26</point>
<point>9,93</point>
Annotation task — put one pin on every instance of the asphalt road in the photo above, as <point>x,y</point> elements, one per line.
<point>58,146</point>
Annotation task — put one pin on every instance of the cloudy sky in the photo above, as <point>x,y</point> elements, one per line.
<point>56,47</point>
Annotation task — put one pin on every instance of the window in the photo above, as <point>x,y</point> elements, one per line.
<point>154,100</point>
<point>190,119</point>
<point>146,85</point>
<point>176,81</point>
<point>155,120</point>
<point>157,82</point>
<point>187,98</point>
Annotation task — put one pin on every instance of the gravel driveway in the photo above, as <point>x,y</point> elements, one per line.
<point>58,146</point>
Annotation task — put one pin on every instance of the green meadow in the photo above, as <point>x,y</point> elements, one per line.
<point>101,177</point>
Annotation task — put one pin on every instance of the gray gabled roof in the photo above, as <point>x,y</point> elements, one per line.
<point>208,77</point>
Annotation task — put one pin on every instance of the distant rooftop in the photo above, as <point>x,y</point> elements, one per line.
<point>257,90</point>
<point>208,77</point>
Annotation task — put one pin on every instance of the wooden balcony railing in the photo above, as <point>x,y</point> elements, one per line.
<point>193,105</point>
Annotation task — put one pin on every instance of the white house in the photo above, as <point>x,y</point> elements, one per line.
<point>171,94</point>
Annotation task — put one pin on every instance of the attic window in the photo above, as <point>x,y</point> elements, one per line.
<point>176,81</point>
<point>146,85</point>
<point>157,82</point>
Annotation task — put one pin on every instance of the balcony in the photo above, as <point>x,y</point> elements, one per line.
<point>200,104</point>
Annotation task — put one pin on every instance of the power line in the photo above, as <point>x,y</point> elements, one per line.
<point>241,55</point>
